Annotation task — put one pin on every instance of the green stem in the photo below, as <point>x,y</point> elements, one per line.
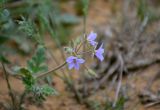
<point>84,33</point>
<point>56,61</point>
<point>51,71</point>
<point>80,53</point>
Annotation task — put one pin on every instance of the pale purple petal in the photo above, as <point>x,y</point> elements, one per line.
<point>70,65</point>
<point>80,60</point>
<point>99,53</point>
<point>92,36</point>
<point>93,43</point>
<point>76,66</point>
<point>74,62</point>
<point>70,59</point>
<point>99,56</point>
<point>100,50</point>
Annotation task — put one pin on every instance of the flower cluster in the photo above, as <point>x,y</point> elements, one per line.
<point>75,60</point>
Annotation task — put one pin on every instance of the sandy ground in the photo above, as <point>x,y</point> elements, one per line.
<point>99,14</point>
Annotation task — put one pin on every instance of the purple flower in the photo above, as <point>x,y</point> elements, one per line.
<point>99,53</point>
<point>91,38</point>
<point>74,62</point>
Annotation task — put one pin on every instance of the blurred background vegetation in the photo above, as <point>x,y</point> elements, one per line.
<point>22,21</point>
<point>24,24</point>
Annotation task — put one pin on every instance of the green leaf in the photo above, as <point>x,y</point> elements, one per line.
<point>25,73</point>
<point>77,41</point>
<point>91,72</point>
<point>37,62</point>
<point>94,105</point>
<point>3,39</point>
<point>68,50</point>
<point>118,106</point>
<point>27,78</point>
<point>26,26</point>
<point>41,92</point>
<point>48,79</point>
<point>120,103</point>
<point>4,59</point>
<point>142,10</point>
<point>68,19</point>
<point>6,13</point>
<point>47,90</point>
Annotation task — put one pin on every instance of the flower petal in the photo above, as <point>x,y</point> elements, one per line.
<point>92,36</point>
<point>74,62</point>
<point>100,49</point>
<point>76,66</point>
<point>99,56</point>
<point>70,59</point>
<point>93,43</point>
<point>99,53</point>
<point>80,60</point>
<point>70,65</point>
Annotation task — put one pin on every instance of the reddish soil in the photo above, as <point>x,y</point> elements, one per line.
<point>99,14</point>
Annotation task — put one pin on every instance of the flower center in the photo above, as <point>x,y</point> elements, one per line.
<point>74,61</point>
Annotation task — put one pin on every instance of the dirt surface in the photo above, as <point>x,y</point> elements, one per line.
<point>100,13</point>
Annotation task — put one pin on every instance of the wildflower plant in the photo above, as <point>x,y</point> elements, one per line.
<point>37,69</point>
<point>75,59</point>
<point>28,74</point>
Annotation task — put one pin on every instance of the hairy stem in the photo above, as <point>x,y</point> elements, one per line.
<point>85,9</point>
<point>81,53</point>
<point>51,71</point>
